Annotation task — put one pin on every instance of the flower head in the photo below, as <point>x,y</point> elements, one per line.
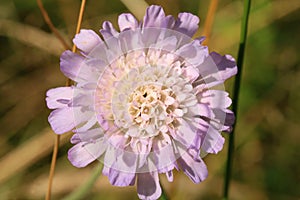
<point>143,102</point>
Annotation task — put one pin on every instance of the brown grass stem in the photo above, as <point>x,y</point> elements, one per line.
<point>210,20</point>
<point>79,21</point>
<point>50,24</point>
<point>52,168</point>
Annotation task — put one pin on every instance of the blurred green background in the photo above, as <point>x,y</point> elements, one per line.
<point>267,158</point>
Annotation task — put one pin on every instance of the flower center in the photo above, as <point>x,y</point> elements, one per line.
<point>151,109</point>
<point>144,102</point>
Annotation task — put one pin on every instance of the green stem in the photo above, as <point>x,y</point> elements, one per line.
<point>237,83</point>
<point>80,192</point>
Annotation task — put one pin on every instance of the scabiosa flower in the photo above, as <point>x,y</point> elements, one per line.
<point>145,100</point>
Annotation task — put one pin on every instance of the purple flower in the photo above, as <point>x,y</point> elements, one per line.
<point>145,100</point>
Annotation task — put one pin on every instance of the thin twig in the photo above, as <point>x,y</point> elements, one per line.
<point>51,26</point>
<point>68,83</point>
<point>209,20</point>
<point>237,84</point>
<point>52,168</point>
<point>79,21</point>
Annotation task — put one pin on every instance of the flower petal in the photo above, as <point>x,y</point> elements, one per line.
<point>65,119</point>
<point>79,69</point>
<point>127,21</point>
<point>191,73</point>
<point>62,120</point>
<point>70,64</point>
<point>229,120</point>
<point>226,119</point>
<point>59,97</point>
<point>89,124</point>
<point>167,44</point>
<point>90,135</point>
<point>164,156</point>
<point>115,152</point>
<point>195,169</point>
<point>148,186</point>
<point>193,53</point>
<point>84,153</point>
<point>87,40</point>
<point>82,98</point>
<point>121,179</point>
<point>226,65</point>
<point>216,69</point>
<point>215,98</point>
<point>154,17</point>
<point>213,141</point>
<point>170,176</point>
<point>129,40</point>
<point>108,30</point>
<point>187,23</point>
<point>185,133</point>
